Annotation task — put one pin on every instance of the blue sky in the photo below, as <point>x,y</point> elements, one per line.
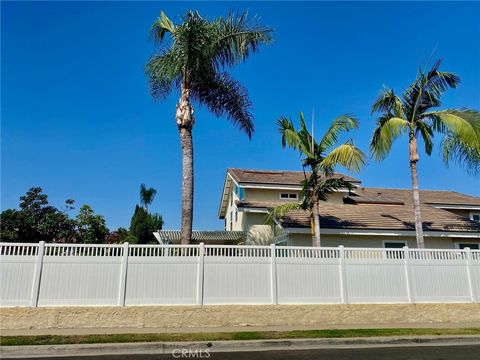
<point>77,118</point>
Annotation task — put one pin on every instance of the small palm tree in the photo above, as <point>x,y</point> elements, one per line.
<point>321,159</point>
<point>412,114</point>
<point>313,187</point>
<point>146,196</point>
<point>195,63</point>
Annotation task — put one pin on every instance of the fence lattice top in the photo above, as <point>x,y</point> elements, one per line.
<point>235,251</point>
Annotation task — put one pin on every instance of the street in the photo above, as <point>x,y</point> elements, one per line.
<point>457,352</point>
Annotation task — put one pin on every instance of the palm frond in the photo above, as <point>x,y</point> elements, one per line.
<point>343,123</point>
<point>147,195</point>
<point>457,151</point>
<point>462,124</point>
<point>164,73</point>
<point>427,135</point>
<point>291,137</point>
<point>388,102</point>
<point>223,95</point>
<point>387,131</point>
<point>161,27</point>
<point>425,92</point>
<point>238,36</point>
<point>323,187</point>
<point>280,211</point>
<point>346,155</point>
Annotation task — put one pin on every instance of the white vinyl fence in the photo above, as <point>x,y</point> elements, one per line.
<point>65,274</point>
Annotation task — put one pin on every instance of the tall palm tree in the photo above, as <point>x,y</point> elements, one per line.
<point>412,114</point>
<point>194,61</point>
<point>321,158</point>
<point>146,196</point>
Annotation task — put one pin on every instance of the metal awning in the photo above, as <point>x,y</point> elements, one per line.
<point>173,236</point>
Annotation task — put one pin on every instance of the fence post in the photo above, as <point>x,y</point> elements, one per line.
<point>468,258</point>
<point>406,260</point>
<point>123,276</point>
<point>201,264</point>
<point>37,274</point>
<point>273,273</point>
<point>343,276</point>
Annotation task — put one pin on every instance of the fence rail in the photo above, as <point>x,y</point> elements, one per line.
<point>75,274</point>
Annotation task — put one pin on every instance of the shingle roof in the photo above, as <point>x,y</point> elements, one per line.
<point>426,196</point>
<point>381,217</point>
<point>273,177</point>
<point>385,209</point>
<point>170,236</point>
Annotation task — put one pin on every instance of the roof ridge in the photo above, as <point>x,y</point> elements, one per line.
<point>408,189</point>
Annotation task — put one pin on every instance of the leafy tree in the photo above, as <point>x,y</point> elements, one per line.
<point>321,159</point>
<point>144,224</point>
<point>120,236</point>
<point>37,220</point>
<point>91,228</point>
<point>146,196</point>
<point>412,114</point>
<point>195,63</point>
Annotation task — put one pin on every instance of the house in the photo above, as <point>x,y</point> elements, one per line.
<point>363,217</point>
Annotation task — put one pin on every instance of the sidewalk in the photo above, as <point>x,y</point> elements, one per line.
<point>11,352</point>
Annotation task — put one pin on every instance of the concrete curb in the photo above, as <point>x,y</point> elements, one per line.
<point>12,352</point>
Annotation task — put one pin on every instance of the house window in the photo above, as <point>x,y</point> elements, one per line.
<point>394,244</point>
<point>472,246</point>
<point>288,196</point>
<point>241,193</point>
<point>475,216</point>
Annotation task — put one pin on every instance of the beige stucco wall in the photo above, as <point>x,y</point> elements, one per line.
<point>257,232</point>
<point>375,241</point>
<point>172,317</point>
<point>273,195</point>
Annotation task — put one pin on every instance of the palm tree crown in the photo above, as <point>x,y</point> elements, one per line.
<point>197,56</point>
<point>321,159</point>
<point>146,195</point>
<point>412,114</point>
<point>325,155</point>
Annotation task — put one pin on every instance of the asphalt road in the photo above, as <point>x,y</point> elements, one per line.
<point>457,352</point>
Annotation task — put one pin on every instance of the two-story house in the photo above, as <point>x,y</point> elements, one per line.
<point>363,217</point>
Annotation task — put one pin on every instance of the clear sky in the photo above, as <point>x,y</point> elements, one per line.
<point>77,118</point>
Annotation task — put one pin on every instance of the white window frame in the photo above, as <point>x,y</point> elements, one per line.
<point>404,242</point>
<point>288,196</point>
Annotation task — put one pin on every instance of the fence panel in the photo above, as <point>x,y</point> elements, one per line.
<point>162,275</point>
<point>308,276</point>
<point>80,275</point>
<point>17,267</point>
<point>237,275</point>
<point>439,276</point>
<point>475,274</point>
<point>61,274</point>
<point>375,276</point>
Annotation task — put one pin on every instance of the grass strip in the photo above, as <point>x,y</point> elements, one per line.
<point>215,336</point>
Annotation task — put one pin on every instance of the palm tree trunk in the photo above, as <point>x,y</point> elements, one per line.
<point>416,193</point>
<point>316,223</point>
<point>185,121</point>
